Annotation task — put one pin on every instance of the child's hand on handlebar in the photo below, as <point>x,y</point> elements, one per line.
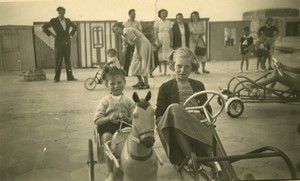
<point>122,116</point>
<point>115,118</point>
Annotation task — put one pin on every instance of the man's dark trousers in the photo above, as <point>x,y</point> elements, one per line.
<point>128,58</point>
<point>63,51</point>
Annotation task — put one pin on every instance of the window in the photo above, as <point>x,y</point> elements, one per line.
<point>230,36</point>
<point>98,37</point>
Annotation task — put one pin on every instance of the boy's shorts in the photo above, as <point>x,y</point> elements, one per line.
<point>109,128</point>
<point>261,53</point>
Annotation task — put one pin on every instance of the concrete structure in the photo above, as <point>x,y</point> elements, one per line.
<point>16,48</point>
<point>286,19</point>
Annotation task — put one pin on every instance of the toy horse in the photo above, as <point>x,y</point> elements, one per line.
<point>133,146</point>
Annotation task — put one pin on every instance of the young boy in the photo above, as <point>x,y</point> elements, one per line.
<point>246,43</point>
<point>112,61</point>
<point>262,51</point>
<point>113,108</point>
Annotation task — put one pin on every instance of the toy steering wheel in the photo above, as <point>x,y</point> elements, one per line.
<point>211,117</point>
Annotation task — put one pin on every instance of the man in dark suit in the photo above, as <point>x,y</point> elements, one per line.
<point>62,45</point>
<point>181,32</point>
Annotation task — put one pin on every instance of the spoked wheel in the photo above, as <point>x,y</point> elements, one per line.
<point>211,117</point>
<point>91,160</point>
<point>90,83</point>
<point>234,107</point>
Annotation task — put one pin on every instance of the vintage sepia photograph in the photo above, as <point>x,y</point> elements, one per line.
<point>149,90</point>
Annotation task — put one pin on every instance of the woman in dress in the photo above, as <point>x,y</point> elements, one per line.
<point>197,32</point>
<point>163,38</point>
<point>143,58</point>
<point>181,133</point>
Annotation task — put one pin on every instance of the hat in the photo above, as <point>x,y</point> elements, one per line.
<point>60,9</point>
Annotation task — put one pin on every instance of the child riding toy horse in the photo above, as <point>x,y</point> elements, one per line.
<point>133,146</point>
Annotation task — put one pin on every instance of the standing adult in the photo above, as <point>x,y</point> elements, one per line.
<point>143,59</point>
<point>197,32</point>
<point>163,38</point>
<point>62,43</point>
<point>181,33</point>
<point>271,33</point>
<point>131,22</point>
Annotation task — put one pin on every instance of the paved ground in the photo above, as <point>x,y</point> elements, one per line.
<point>45,126</point>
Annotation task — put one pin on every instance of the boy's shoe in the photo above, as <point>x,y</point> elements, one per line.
<point>144,86</point>
<point>137,85</point>
<point>240,72</point>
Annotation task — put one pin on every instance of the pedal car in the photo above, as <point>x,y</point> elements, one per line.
<point>241,89</point>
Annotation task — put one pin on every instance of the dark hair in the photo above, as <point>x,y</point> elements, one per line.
<point>119,24</point>
<point>160,11</point>
<point>60,9</point>
<point>246,28</point>
<point>195,12</point>
<point>112,50</point>
<point>113,72</point>
<point>179,14</point>
<point>131,10</point>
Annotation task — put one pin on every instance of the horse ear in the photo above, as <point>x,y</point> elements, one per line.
<point>135,97</point>
<point>148,96</point>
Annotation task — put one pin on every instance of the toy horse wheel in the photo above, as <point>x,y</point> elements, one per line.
<point>210,94</point>
<point>91,161</point>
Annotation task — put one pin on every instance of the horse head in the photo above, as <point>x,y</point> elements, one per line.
<point>143,120</point>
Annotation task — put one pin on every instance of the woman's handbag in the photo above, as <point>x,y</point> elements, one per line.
<point>200,51</point>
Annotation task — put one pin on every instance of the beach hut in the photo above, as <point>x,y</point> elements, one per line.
<point>16,48</point>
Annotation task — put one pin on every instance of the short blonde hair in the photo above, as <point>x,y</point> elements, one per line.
<point>183,53</point>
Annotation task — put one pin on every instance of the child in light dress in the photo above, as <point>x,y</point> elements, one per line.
<point>112,61</point>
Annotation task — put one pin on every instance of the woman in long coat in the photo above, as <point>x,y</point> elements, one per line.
<point>143,58</point>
